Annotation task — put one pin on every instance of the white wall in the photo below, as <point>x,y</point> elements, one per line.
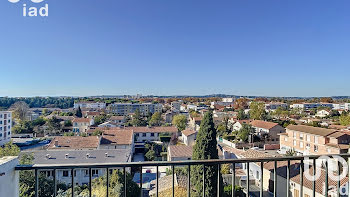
<point>9,178</point>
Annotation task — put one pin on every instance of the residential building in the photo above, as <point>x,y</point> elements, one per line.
<point>5,127</point>
<point>81,175</point>
<point>175,106</point>
<point>274,106</point>
<point>117,139</point>
<point>90,105</point>
<point>307,106</point>
<point>323,113</point>
<point>82,124</point>
<point>74,143</point>
<point>267,130</point>
<point>308,140</point>
<point>119,120</point>
<point>341,106</point>
<point>194,122</point>
<point>122,109</point>
<point>189,137</point>
<point>144,134</point>
<point>239,123</point>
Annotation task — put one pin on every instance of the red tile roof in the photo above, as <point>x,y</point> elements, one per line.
<point>263,124</point>
<point>188,132</point>
<point>75,142</point>
<point>82,120</point>
<point>117,136</point>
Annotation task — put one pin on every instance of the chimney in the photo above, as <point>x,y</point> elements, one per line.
<point>67,156</point>
<point>106,154</point>
<point>87,155</point>
<point>56,143</point>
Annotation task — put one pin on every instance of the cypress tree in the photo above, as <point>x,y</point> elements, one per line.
<point>78,113</point>
<point>206,148</point>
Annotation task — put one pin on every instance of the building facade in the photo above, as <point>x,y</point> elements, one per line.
<point>5,127</point>
<point>90,105</point>
<point>122,109</point>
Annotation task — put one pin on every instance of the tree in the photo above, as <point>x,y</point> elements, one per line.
<point>54,124</point>
<point>100,119</point>
<point>78,113</point>
<point>68,134</point>
<point>156,119</point>
<point>344,119</point>
<point>97,133</point>
<point>180,121</point>
<point>206,148</point>
<point>68,123</point>
<point>137,120</point>
<point>241,103</point>
<point>257,111</point>
<point>20,110</point>
<point>9,149</point>
<point>150,155</point>
<point>241,115</point>
<point>245,132</point>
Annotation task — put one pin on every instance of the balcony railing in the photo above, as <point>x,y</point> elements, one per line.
<point>309,160</point>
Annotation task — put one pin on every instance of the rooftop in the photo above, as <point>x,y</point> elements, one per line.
<point>74,142</point>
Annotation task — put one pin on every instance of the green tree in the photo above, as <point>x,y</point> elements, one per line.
<point>206,148</point>
<point>344,119</point>
<point>138,120</point>
<point>245,131</point>
<point>100,119</point>
<point>78,113</point>
<point>68,123</point>
<point>54,124</point>
<point>68,134</point>
<point>150,155</point>
<point>180,121</point>
<point>9,149</point>
<point>241,115</point>
<point>156,119</point>
<point>257,111</point>
<point>20,110</point>
<point>97,133</point>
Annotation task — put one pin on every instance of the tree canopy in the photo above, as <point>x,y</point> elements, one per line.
<point>180,121</point>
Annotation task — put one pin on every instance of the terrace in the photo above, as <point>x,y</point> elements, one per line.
<point>268,184</point>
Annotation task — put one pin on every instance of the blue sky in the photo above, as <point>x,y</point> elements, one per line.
<point>171,47</point>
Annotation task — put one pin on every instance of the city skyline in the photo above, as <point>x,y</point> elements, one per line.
<point>270,48</point>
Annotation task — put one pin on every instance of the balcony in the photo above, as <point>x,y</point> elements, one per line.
<point>276,176</point>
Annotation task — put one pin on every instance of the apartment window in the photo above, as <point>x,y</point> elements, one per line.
<point>0,121</point>
<point>143,134</point>
<point>285,139</point>
<point>0,128</point>
<point>301,144</point>
<point>294,142</point>
<point>152,134</point>
<point>316,148</point>
<point>307,146</point>
<point>294,135</point>
<point>308,138</point>
<point>301,136</point>
<point>0,115</point>
<point>94,172</point>
<point>65,173</point>
<point>316,140</point>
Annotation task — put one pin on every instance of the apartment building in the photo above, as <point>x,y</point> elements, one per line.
<point>175,106</point>
<point>90,105</point>
<point>307,106</point>
<point>143,134</point>
<point>341,106</point>
<point>308,140</point>
<point>5,127</point>
<point>122,109</point>
<point>274,106</point>
<point>82,124</point>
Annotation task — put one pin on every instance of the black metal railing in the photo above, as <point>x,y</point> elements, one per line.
<point>233,162</point>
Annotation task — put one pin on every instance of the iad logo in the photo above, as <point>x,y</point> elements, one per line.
<point>34,11</point>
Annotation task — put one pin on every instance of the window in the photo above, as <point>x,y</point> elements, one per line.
<point>329,150</point>
<point>144,134</point>
<point>316,148</point>
<point>316,140</point>
<point>307,146</point>
<point>65,173</point>
<point>94,172</point>
<point>294,135</point>
<point>0,121</point>
<point>294,142</point>
<point>308,138</point>
<point>301,136</point>
<point>0,128</point>
<point>301,144</point>
<point>152,134</point>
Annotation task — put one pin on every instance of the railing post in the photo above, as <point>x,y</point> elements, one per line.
<point>338,181</point>
<point>218,185</point>
<point>248,184</point>
<point>233,179</point>
<point>275,179</point>
<point>107,181</point>
<point>141,181</point>
<point>288,178</point>
<point>157,177</point>
<point>36,183</point>
<point>301,177</point>
<point>314,181</point>
<point>125,181</point>
<point>173,175</point>
<point>203,180</point>
<point>326,187</point>
<point>54,183</point>
<point>72,174</point>
<point>90,182</point>
<point>261,179</point>
<point>189,181</point>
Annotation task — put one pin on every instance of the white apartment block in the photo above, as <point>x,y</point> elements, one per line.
<point>274,106</point>
<point>90,105</point>
<point>341,106</point>
<point>307,106</point>
<point>175,106</point>
<point>122,109</point>
<point>5,127</point>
